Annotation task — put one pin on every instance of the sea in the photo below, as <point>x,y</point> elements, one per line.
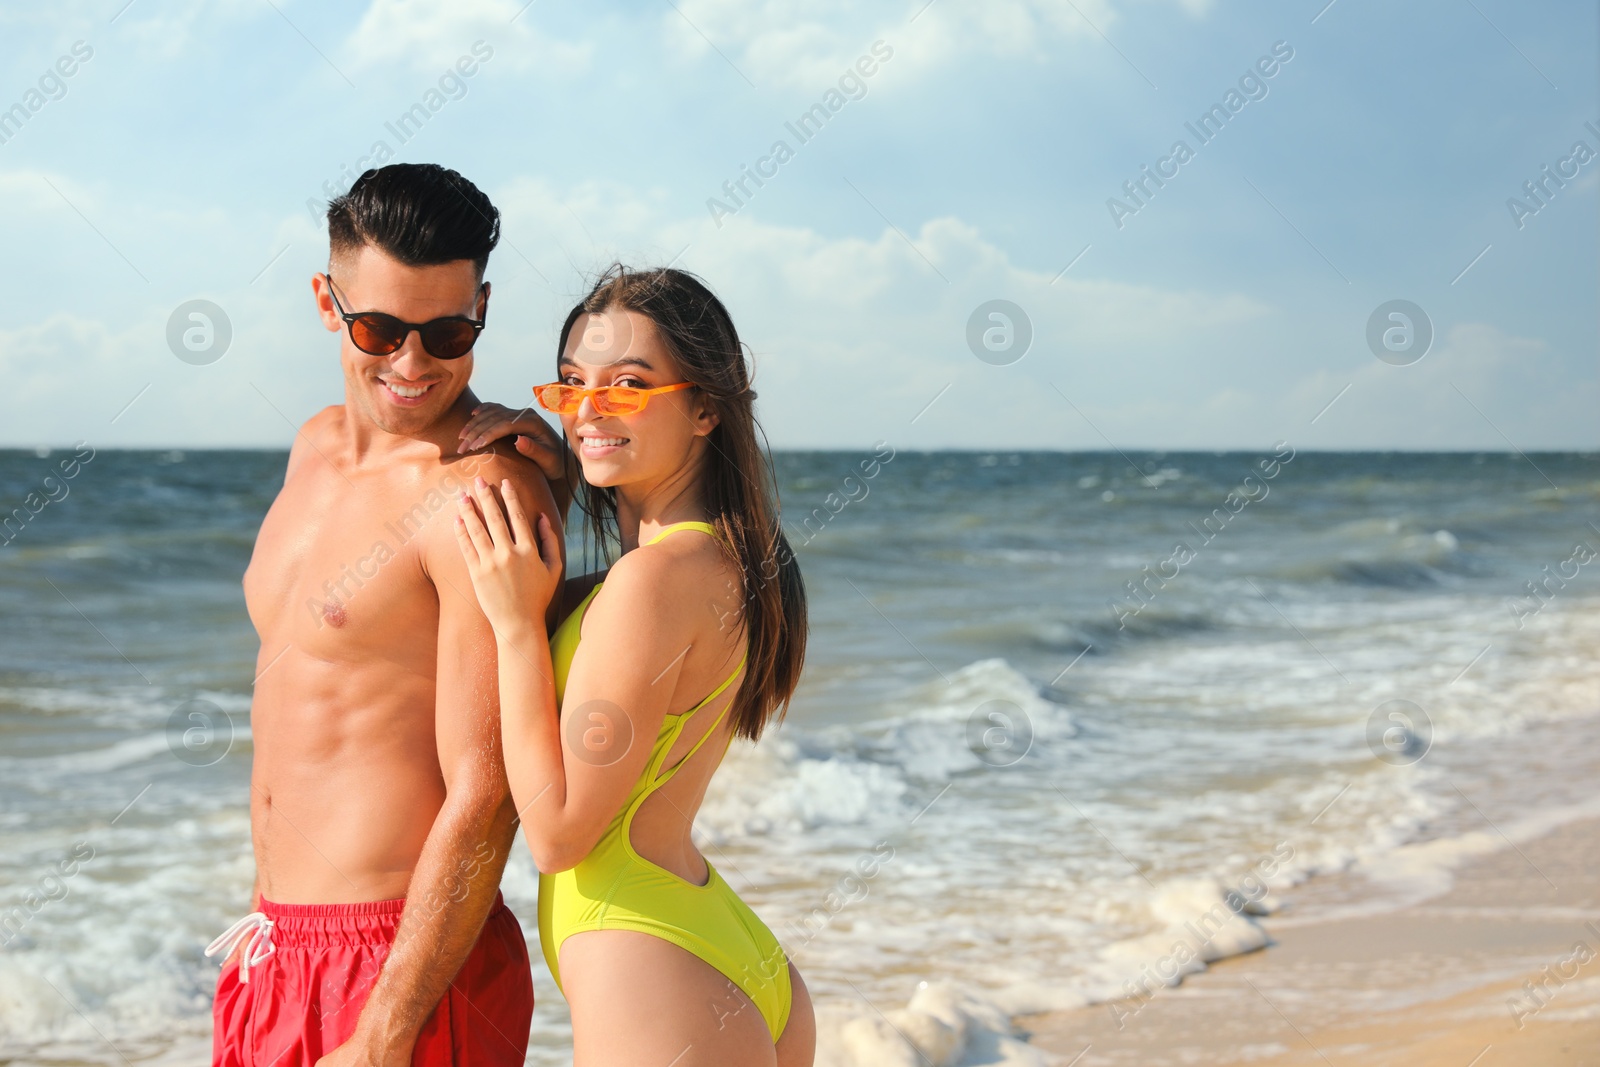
<point>1072,724</point>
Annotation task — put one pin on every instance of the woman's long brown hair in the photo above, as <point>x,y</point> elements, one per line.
<point>739,483</point>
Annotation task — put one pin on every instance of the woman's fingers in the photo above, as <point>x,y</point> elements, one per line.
<point>489,422</point>
<point>493,517</point>
<point>469,551</point>
<point>475,435</point>
<point>468,521</point>
<point>504,422</point>
<point>521,532</point>
<point>547,457</point>
<point>549,542</point>
<point>481,416</point>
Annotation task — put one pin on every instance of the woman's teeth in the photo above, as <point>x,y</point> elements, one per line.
<point>602,442</point>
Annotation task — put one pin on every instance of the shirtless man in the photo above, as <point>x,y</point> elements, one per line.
<point>380,813</point>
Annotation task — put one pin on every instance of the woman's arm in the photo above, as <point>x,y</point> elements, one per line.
<point>571,769</point>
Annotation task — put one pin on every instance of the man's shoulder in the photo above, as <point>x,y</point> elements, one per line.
<point>496,463</point>
<point>326,421</point>
<point>315,436</point>
<point>454,475</point>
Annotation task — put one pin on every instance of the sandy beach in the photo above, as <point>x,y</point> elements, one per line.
<point>1440,982</point>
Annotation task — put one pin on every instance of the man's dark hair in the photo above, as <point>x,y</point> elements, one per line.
<point>419,213</point>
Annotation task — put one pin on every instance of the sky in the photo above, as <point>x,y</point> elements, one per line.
<point>959,153</point>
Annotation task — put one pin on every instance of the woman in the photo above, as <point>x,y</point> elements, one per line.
<point>695,637</point>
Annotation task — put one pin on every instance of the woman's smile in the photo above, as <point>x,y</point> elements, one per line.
<point>595,445</point>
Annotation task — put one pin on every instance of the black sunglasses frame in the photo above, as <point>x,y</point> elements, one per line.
<point>420,327</point>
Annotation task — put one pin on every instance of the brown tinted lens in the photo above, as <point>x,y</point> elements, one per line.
<point>377,334</point>
<point>618,400</point>
<point>450,339</point>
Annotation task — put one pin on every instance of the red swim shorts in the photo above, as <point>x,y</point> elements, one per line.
<point>313,966</point>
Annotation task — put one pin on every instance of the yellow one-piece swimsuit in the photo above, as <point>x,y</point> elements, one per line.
<point>615,888</point>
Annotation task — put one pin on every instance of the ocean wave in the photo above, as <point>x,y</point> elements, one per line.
<point>798,780</point>
<point>1153,622</point>
<point>1396,558</point>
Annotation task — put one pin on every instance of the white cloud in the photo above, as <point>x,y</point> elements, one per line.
<point>429,37</point>
<point>1479,387</point>
<point>25,192</point>
<point>854,334</point>
<point>806,45</point>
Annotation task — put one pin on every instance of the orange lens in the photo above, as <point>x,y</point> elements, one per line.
<point>618,400</point>
<point>559,399</point>
<point>608,399</point>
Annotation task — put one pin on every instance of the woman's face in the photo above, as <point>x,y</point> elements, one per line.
<point>617,347</point>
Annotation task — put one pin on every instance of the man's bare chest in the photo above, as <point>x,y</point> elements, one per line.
<point>339,564</point>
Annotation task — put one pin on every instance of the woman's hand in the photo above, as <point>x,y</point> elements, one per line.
<point>535,439</point>
<point>514,572</point>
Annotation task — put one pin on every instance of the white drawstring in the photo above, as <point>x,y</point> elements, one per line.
<point>258,928</point>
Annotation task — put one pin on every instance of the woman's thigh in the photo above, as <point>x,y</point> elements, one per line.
<point>639,1001</point>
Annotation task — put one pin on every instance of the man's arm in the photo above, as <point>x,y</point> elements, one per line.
<point>458,873</point>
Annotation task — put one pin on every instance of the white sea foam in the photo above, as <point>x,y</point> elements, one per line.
<point>942,1026</point>
<point>1426,869</point>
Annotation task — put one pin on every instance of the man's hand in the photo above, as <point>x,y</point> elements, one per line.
<point>358,1052</point>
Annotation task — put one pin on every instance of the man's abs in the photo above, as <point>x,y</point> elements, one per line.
<point>346,785</point>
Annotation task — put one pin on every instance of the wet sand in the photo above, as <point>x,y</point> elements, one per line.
<point>1440,983</point>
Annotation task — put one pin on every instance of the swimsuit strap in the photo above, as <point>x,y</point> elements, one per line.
<point>666,776</point>
<point>703,527</point>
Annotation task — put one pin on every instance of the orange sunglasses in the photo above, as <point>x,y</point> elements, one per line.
<point>608,399</point>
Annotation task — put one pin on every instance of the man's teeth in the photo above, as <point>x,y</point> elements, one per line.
<point>602,442</point>
<point>409,392</point>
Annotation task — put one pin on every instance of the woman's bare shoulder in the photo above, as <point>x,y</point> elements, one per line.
<point>676,582</point>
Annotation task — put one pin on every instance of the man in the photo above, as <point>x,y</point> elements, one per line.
<point>380,814</point>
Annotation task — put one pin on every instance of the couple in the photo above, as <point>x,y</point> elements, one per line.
<point>422,687</point>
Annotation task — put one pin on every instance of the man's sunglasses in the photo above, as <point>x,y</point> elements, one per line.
<point>608,399</point>
<point>379,334</point>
